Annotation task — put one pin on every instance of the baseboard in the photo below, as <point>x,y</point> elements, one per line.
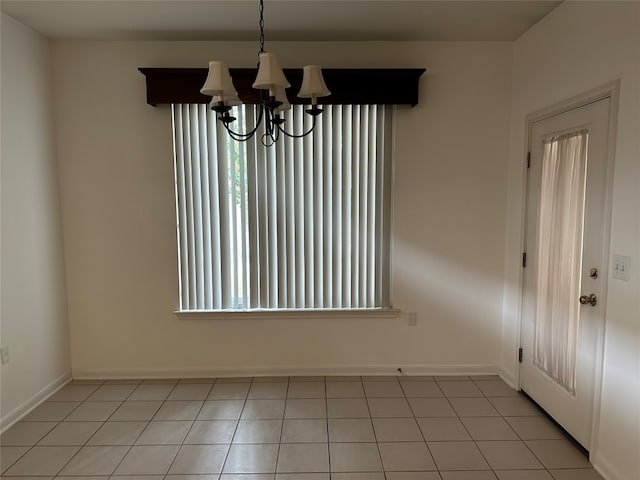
<point>27,406</point>
<point>508,378</point>
<point>605,468</point>
<point>288,370</point>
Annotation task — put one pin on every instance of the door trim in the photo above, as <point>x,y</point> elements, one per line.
<point>610,90</point>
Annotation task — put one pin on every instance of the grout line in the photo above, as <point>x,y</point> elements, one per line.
<point>326,413</point>
<point>286,396</point>
<point>59,422</point>
<point>195,419</point>
<point>488,398</point>
<point>144,429</point>
<point>30,447</point>
<point>501,416</point>
<point>415,419</point>
<point>469,433</point>
<point>235,431</point>
<point>193,422</point>
<point>375,437</point>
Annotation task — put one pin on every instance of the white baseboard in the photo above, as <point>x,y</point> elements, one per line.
<point>28,405</point>
<point>508,379</point>
<point>605,468</point>
<point>288,370</point>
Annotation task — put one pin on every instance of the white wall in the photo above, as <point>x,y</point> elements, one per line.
<point>116,173</point>
<point>34,316</point>
<point>580,46</point>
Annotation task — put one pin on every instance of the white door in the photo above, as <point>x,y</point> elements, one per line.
<point>565,260</point>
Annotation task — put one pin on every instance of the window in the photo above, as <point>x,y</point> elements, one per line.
<point>303,224</point>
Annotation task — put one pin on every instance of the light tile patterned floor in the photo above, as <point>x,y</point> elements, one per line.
<point>299,428</point>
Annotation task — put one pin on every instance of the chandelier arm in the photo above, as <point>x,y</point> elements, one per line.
<point>238,139</point>
<point>245,136</point>
<point>237,135</point>
<point>291,135</point>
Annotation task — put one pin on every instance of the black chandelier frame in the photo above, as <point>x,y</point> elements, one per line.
<point>268,110</point>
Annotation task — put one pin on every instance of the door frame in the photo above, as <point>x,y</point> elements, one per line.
<point>610,90</point>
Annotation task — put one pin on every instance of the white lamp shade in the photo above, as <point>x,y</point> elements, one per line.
<point>218,81</point>
<point>270,75</point>
<point>313,83</point>
<point>281,96</point>
<point>229,100</point>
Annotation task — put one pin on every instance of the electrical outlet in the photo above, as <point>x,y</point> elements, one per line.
<point>412,319</point>
<point>4,355</point>
<point>621,267</point>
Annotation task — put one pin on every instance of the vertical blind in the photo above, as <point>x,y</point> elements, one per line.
<point>303,224</point>
<point>560,239</point>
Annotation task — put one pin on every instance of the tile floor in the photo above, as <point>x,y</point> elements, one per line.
<point>298,428</point>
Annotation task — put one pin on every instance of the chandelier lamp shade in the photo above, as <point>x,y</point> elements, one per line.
<point>270,75</point>
<point>272,84</point>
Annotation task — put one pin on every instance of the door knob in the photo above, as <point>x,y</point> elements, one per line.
<point>589,299</point>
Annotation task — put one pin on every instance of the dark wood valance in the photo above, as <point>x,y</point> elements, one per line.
<point>356,86</point>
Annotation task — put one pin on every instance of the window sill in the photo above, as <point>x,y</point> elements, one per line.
<point>286,314</point>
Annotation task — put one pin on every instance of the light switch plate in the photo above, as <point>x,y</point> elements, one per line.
<point>621,265</point>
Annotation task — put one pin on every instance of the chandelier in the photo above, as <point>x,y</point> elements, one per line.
<point>273,98</point>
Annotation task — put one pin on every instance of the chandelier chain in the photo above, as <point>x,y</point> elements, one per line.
<point>261,27</point>
<point>267,108</point>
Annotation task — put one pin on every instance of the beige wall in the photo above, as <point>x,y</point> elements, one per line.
<point>34,322</point>
<point>580,46</point>
<point>117,194</point>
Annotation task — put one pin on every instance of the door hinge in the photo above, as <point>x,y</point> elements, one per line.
<point>524,259</point>
<point>520,355</point>
<point>528,159</point>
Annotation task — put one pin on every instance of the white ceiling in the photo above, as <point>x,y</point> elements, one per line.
<point>284,19</point>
